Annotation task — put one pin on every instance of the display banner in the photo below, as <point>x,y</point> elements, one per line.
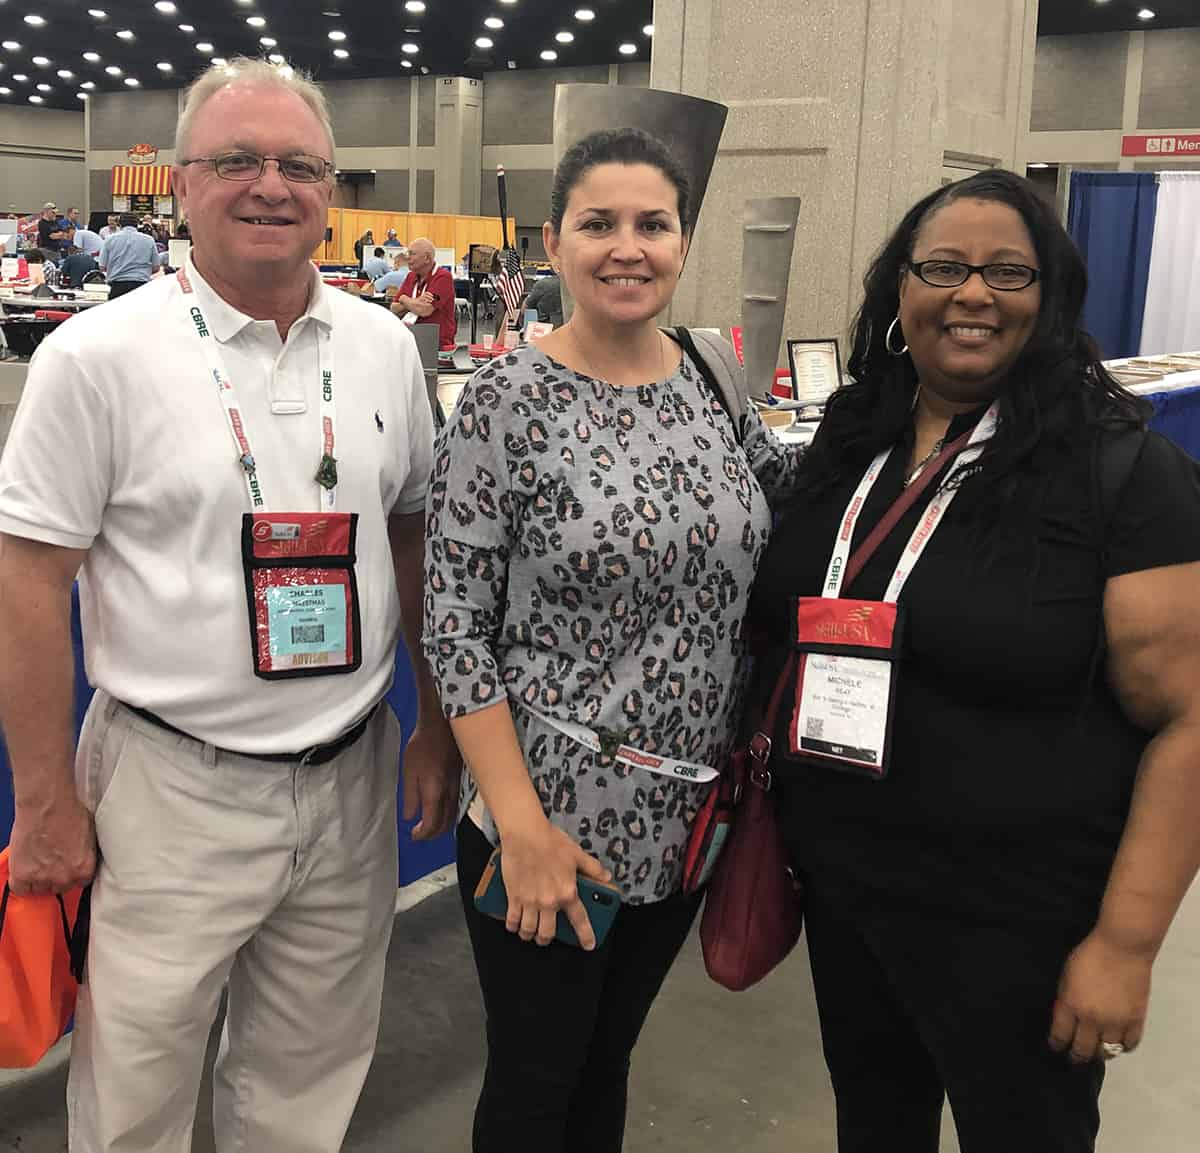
<point>1188,145</point>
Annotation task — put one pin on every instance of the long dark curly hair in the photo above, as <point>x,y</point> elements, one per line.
<point>1056,387</point>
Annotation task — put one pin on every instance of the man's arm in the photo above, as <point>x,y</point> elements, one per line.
<point>432,762</point>
<point>53,846</point>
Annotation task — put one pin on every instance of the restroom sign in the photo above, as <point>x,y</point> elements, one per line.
<point>1188,146</point>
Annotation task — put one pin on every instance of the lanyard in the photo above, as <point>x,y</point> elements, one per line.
<point>928,524</point>
<point>233,412</point>
<point>612,745</point>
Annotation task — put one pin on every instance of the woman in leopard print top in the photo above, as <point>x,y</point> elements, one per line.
<point>593,532</point>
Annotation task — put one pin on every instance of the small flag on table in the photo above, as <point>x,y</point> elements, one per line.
<point>509,281</point>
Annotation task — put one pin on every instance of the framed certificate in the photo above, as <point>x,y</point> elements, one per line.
<point>816,369</point>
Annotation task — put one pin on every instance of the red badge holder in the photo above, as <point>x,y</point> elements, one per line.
<point>302,593</point>
<point>866,630</point>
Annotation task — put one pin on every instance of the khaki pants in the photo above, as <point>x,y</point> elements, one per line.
<point>278,879</point>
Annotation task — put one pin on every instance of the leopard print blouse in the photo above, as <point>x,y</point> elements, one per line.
<point>589,554</point>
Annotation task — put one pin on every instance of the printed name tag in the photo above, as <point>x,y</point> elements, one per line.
<point>845,688</point>
<point>302,593</point>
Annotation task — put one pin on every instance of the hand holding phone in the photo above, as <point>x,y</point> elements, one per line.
<point>546,887</point>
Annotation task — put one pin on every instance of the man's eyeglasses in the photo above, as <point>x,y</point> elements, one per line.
<point>247,166</point>
<point>952,273</point>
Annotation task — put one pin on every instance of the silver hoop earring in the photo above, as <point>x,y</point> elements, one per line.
<point>887,340</point>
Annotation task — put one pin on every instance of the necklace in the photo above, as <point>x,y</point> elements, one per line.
<point>594,374</point>
<point>920,466</point>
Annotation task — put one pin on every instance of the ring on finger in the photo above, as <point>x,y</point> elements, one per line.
<point>1111,1049</point>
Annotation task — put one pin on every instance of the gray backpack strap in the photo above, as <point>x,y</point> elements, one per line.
<point>719,365</point>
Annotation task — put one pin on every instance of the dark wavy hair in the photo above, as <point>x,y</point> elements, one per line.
<point>616,146</point>
<point>1056,387</point>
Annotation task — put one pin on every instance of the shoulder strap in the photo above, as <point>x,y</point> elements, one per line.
<point>725,379</point>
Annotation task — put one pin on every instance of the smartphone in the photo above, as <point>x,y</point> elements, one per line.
<point>601,902</point>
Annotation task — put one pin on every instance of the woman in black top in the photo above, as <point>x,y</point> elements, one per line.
<point>984,916</point>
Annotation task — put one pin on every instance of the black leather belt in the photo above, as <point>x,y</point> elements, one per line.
<point>316,755</point>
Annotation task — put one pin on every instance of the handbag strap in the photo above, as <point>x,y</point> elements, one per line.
<point>76,939</point>
<point>900,506</point>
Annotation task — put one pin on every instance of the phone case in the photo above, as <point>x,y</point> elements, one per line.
<point>601,901</point>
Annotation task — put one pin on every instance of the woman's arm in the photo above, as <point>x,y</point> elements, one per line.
<point>1152,619</point>
<point>773,463</point>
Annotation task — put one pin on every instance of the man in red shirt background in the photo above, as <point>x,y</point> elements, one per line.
<point>428,294</point>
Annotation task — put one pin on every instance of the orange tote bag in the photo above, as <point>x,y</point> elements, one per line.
<point>37,984</point>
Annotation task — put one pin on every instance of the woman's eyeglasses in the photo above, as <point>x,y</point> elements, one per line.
<point>952,273</point>
<point>246,166</point>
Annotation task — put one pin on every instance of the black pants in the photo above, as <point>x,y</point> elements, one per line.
<point>562,1023</point>
<point>120,287</point>
<point>913,1009</point>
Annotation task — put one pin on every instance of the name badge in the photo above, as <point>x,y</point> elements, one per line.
<point>302,593</point>
<point>845,687</point>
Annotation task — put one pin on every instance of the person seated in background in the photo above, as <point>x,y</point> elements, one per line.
<point>546,297</point>
<point>393,241</point>
<point>427,294</point>
<point>183,231</point>
<point>376,264</point>
<point>87,241</point>
<point>75,267</point>
<point>392,282</point>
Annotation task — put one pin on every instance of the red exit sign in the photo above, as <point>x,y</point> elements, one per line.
<point>1161,146</point>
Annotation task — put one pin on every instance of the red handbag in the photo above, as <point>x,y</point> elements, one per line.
<point>754,909</point>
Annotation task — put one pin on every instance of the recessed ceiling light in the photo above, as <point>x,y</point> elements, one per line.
<point>1040,164</point>
<point>648,30</point>
<point>337,34</point>
<point>34,19</point>
<point>564,37</point>
<point>627,49</point>
<point>275,58</point>
<point>204,46</point>
<point>256,21</point>
<point>21,77</point>
<point>268,41</point>
<point>5,91</point>
<point>416,6</point>
<point>66,74</point>
<point>493,22</point>
<point>165,6</point>
<point>405,63</point>
<point>410,48</point>
<point>92,57</point>
<point>189,28</point>
<point>424,70</point>
<point>12,46</point>
<point>132,81</point>
<point>163,66</point>
<point>508,1</point>
<point>1144,14</point>
<point>245,3</point>
<point>342,54</point>
<point>113,70</point>
<point>549,54</point>
<point>35,100</point>
<point>98,13</point>
<point>584,14</point>
<point>44,88</point>
<point>484,42</point>
<point>81,95</point>
<point>41,61</point>
<point>124,34</point>
<point>88,84</point>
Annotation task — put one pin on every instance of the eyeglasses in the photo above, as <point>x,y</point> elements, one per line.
<point>952,273</point>
<point>247,166</point>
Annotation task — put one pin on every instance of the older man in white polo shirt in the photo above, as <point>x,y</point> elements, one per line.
<point>235,461</point>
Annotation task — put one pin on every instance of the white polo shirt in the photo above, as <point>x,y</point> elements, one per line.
<point>120,446</point>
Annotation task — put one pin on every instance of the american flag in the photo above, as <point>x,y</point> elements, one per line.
<point>510,281</point>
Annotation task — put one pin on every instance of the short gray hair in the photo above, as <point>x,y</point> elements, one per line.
<point>261,73</point>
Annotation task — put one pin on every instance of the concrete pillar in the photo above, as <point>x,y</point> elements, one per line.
<point>459,145</point>
<point>857,107</point>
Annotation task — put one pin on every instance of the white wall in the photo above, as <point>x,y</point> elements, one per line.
<point>41,158</point>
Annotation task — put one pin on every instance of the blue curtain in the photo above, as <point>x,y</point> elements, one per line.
<point>1111,220</point>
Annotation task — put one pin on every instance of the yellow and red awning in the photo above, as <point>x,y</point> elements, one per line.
<point>142,180</point>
